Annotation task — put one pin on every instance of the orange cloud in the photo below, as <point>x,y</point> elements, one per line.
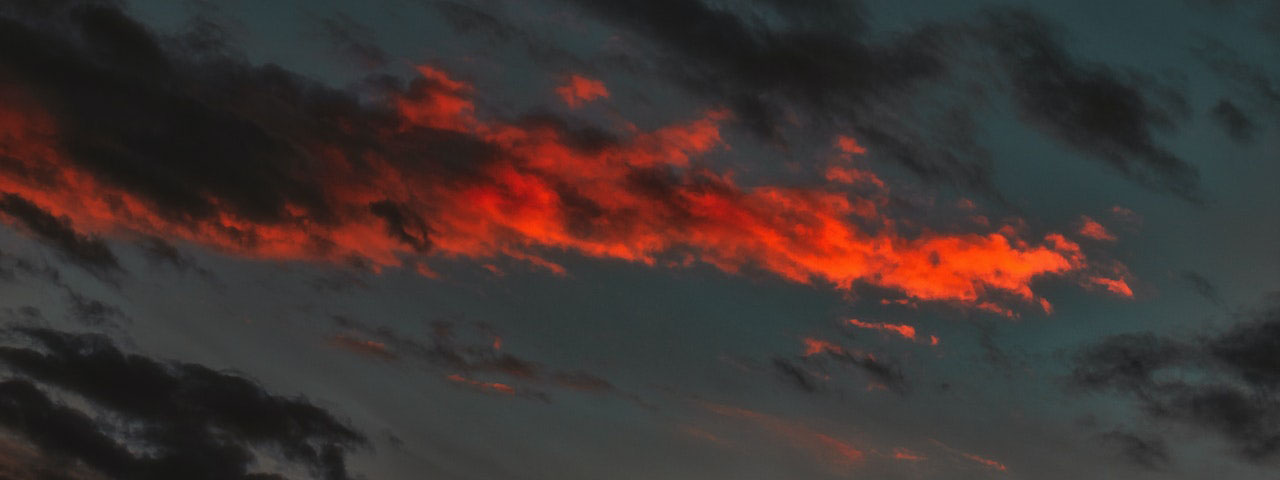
<point>1117,286</point>
<point>853,176</point>
<point>987,462</point>
<point>907,455</point>
<point>906,331</point>
<point>849,145</point>
<point>640,199</point>
<point>368,348</point>
<point>1092,229</point>
<point>489,387</point>
<point>814,346</point>
<point>578,90</point>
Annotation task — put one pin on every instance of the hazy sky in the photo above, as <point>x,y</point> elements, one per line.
<point>639,239</point>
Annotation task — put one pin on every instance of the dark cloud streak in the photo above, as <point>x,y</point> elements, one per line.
<point>1225,383</point>
<point>191,421</point>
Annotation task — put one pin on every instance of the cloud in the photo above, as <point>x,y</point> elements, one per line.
<point>1090,228</point>
<point>1262,90</point>
<point>1222,382</point>
<point>260,162</point>
<point>823,68</point>
<point>796,375</point>
<point>882,374</point>
<point>95,313</point>
<point>1149,453</point>
<point>135,417</point>
<point>905,331</point>
<point>353,41</point>
<point>578,90</point>
<point>777,62</point>
<point>464,352</point>
<point>1090,107</point>
<point>1201,286</point>
<point>87,251</point>
<point>1235,122</point>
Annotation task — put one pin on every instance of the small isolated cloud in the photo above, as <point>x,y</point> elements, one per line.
<point>578,90</point>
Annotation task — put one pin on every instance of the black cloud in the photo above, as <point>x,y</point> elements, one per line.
<point>145,419</point>
<point>1090,107</point>
<point>818,59</point>
<point>796,375</point>
<point>89,252</point>
<point>1224,383</point>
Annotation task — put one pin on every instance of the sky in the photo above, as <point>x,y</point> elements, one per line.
<point>638,239</point>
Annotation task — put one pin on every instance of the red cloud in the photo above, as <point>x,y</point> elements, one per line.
<point>1092,229</point>
<point>578,90</point>
<point>640,199</point>
<point>849,145</point>
<point>906,331</point>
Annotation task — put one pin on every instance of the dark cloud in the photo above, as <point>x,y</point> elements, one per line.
<point>87,251</point>
<point>403,224</point>
<point>197,134</point>
<point>796,375</point>
<point>818,63</point>
<point>142,119</point>
<point>1202,286</point>
<point>464,348</point>
<point>881,373</point>
<point>467,19</point>
<point>1224,383</point>
<point>159,251</point>
<point>1147,452</point>
<point>1252,80</point>
<point>495,28</point>
<point>885,374</point>
<point>93,312</point>
<point>145,419</point>
<point>14,268</point>
<point>354,41</point>
<point>1107,114</point>
<point>1234,121</point>
<point>814,58</point>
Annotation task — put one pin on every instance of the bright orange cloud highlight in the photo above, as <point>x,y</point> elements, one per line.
<point>907,455</point>
<point>1090,228</point>
<point>578,90</point>
<point>490,387</point>
<point>906,331</point>
<point>640,199</point>
<point>1117,286</point>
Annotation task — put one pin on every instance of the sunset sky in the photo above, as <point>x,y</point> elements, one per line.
<point>639,239</point>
